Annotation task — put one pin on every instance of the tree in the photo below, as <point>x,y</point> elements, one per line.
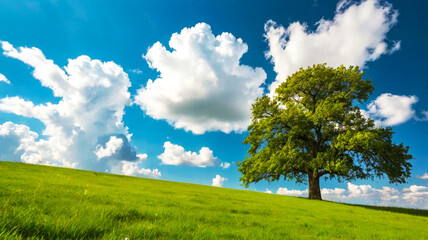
<point>313,127</point>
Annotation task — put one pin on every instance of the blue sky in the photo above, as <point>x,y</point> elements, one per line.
<point>179,76</point>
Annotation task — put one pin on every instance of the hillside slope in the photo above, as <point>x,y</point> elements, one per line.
<point>41,202</point>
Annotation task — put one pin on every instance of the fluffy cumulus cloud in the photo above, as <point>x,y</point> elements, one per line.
<point>425,176</point>
<point>4,79</point>
<point>416,195</point>
<point>15,140</point>
<point>413,196</point>
<point>132,169</point>
<point>268,191</point>
<point>291,192</point>
<point>225,165</point>
<point>389,109</point>
<point>112,146</point>
<point>356,35</point>
<point>218,181</point>
<point>85,128</point>
<point>335,191</point>
<point>201,86</point>
<point>176,155</point>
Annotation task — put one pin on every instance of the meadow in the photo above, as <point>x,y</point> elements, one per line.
<point>41,202</point>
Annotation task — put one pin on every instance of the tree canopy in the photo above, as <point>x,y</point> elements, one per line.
<point>312,127</point>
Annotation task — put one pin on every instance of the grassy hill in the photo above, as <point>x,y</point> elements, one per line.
<point>40,202</point>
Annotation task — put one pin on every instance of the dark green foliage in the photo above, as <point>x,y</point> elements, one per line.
<point>313,127</point>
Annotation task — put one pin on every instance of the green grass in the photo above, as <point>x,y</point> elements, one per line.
<point>40,202</point>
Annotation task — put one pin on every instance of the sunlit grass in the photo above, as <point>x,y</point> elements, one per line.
<point>40,202</point>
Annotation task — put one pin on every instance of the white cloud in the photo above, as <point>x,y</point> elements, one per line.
<point>342,5</point>
<point>136,71</point>
<point>112,146</point>
<point>389,109</point>
<point>4,79</point>
<point>176,155</point>
<point>335,191</point>
<point>356,35</point>
<point>268,191</point>
<point>202,85</point>
<point>19,106</point>
<point>92,95</point>
<point>387,194</point>
<point>416,195</point>
<point>425,113</point>
<point>132,169</point>
<point>285,191</point>
<point>218,181</point>
<point>413,196</point>
<point>14,139</point>
<point>425,176</point>
<point>225,165</point>
<point>359,191</point>
<point>49,74</point>
<point>142,157</point>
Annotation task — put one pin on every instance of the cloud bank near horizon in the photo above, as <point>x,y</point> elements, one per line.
<point>413,196</point>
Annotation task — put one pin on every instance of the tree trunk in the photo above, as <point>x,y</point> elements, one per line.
<point>314,187</point>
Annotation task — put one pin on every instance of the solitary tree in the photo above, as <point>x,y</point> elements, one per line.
<point>313,127</point>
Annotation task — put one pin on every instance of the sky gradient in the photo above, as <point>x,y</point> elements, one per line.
<point>163,89</point>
